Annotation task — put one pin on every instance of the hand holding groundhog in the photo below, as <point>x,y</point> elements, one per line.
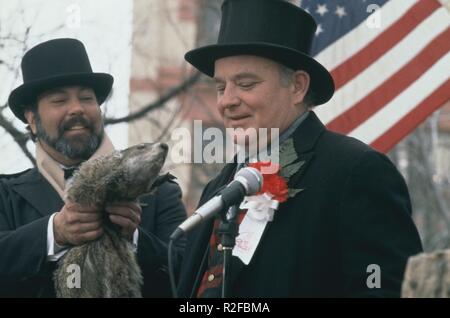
<point>127,215</point>
<point>76,225</point>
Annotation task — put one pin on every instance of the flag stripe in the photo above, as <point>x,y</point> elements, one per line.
<point>398,108</point>
<point>393,86</point>
<point>389,77</point>
<point>383,43</point>
<point>392,62</point>
<point>355,40</point>
<point>408,123</point>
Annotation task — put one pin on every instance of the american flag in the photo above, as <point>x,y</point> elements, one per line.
<point>390,61</point>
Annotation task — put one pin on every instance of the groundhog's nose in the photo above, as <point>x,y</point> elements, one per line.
<point>164,146</point>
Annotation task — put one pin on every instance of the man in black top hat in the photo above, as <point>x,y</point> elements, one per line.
<point>60,101</point>
<point>343,226</point>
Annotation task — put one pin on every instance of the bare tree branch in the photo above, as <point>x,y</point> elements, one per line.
<point>157,104</point>
<point>19,137</point>
<point>428,192</point>
<point>174,25</point>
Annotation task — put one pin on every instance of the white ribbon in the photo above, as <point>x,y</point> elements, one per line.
<point>260,211</point>
<point>260,207</point>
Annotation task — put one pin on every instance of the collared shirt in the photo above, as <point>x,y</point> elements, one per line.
<point>283,137</point>
<point>293,127</point>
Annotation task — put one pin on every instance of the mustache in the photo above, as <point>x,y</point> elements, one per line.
<point>76,121</point>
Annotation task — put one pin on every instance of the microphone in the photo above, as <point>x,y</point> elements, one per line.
<point>247,181</point>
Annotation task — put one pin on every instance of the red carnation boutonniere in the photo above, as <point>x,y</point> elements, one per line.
<point>275,189</point>
<point>273,184</point>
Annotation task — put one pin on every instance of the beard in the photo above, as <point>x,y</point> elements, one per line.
<point>75,147</point>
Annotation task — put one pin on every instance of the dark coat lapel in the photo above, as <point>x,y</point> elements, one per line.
<point>35,189</point>
<point>305,139</point>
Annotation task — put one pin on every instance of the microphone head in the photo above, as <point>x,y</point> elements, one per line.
<point>251,179</point>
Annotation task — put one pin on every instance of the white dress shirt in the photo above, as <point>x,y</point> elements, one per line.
<point>55,251</point>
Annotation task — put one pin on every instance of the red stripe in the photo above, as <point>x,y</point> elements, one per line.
<point>206,284</point>
<point>392,87</point>
<point>384,42</point>
<point>392,136</point>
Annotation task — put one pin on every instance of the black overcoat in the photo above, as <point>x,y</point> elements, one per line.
<point>354,211</point>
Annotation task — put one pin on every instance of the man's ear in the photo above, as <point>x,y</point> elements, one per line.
<point>31,119</point>
<point>300,82</point>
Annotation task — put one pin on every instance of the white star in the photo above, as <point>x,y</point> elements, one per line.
<point>322,9</point>
<point>319,29</point>
<point>340,11</point>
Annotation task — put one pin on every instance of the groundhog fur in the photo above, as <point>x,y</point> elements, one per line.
<point>108,265</point>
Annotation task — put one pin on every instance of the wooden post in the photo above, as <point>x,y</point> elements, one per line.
<point>427,275</point>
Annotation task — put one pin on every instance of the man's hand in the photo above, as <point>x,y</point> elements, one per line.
<point>127,215</point>
<point>77,225</point>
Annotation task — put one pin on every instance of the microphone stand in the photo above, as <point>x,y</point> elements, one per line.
<point>228,230</point>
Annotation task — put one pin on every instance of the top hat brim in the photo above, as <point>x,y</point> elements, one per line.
<point>321,82</point>
<point>27,93</point>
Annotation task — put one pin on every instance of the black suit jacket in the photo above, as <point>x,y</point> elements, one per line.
<point>26,202</point>
<point>354,211</point>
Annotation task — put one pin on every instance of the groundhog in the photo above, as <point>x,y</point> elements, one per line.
<point>108,265</point>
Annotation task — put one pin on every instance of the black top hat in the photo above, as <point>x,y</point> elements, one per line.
<point>274,29</point>
<point>52,64</point>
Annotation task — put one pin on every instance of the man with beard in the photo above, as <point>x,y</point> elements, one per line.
<point>60,101</point>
